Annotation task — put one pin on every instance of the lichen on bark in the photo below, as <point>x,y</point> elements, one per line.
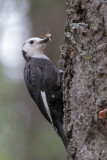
<point>84,61</point>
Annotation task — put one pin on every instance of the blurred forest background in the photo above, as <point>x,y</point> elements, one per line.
<point>24,132</point>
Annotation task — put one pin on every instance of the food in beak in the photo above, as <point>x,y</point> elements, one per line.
<point>49,36</point>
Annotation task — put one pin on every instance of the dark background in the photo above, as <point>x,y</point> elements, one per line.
<point>24,132</point>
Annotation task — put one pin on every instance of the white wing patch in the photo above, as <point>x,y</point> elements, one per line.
<point>46,104</point>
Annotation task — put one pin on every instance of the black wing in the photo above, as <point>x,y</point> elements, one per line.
<point>35,84</point>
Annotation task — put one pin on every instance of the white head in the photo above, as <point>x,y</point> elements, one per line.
<point>34,47</point>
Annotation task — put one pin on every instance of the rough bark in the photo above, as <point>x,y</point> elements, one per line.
<point>84,61</point>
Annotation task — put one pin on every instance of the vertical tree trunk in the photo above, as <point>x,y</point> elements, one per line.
<point>84,61</point>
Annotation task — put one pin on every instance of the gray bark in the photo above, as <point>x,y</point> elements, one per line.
<point>84,61</point>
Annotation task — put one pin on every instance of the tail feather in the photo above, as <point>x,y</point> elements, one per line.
<point>61,133</point>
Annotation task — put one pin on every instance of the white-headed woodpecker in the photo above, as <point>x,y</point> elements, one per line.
<point>44,83</point>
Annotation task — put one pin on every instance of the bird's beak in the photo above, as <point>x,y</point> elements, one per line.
<point>44,40</point>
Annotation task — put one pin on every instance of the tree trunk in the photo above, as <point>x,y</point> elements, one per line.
<point>84,61</point>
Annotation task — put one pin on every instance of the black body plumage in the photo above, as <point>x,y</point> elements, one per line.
<point>42,77</point>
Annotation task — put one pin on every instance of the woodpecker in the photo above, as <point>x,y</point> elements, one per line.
<point>44,83</point>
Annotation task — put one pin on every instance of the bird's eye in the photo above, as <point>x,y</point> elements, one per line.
<point>31,42</point>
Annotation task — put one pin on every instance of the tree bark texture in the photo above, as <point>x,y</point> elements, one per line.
<point>84,61</point>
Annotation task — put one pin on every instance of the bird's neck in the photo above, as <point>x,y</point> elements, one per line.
<point>39,55</point>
